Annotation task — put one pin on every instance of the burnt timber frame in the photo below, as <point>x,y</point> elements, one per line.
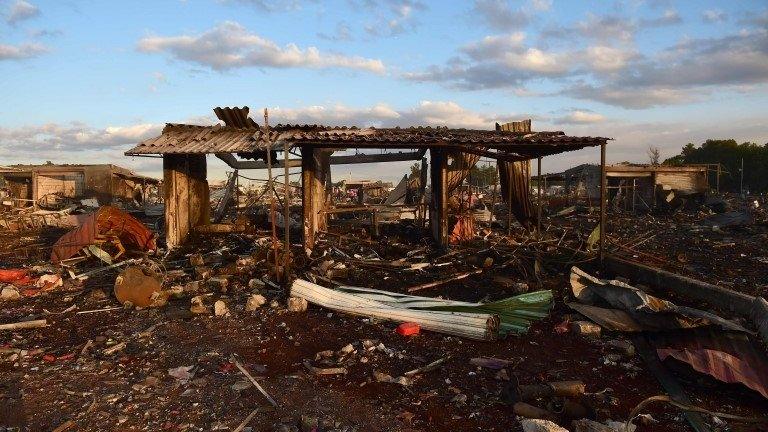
<point>184,148</point>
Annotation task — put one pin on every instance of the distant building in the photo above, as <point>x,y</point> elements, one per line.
<point>638,183</point>
<point>25,185</point>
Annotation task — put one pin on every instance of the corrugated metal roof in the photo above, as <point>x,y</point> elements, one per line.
<point>189,139</point>
<point>235,117</point>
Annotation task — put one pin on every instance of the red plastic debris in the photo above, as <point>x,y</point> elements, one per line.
<point>16,276</point>
<point>408,329</point>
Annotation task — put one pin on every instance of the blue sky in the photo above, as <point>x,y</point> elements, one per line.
<point>82,81</point>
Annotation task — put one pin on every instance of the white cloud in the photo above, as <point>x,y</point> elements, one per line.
<point>21,52</point>
<point>21,10</point>
<point>425,113</point>
<point>393,17</point>
<point>229,45</point>
<point>158,79</point>
<point>52,138</point>
<point>499,15</point>
<point>714,16</point>
<point>580,116</point>
<point>608,59</point>
<point>541,5</point>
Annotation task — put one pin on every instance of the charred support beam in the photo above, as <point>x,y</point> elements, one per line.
<point>438,206</point>
<point>603,198</point>
<point>313,189</point>
<point>233,162</point>
<point>186,196</point>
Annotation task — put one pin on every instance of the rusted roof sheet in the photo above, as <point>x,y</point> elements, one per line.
<point>189,139</point>
<point>106,221</point>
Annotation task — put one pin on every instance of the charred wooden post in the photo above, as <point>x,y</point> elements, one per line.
<point>438,208</point>
<point>313,188</point>
<point>287,214</point>
<point>602,202</point>
<point>538,203</point>
<point>186,196</point>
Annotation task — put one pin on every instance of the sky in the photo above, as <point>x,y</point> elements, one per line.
<point>84,81</point>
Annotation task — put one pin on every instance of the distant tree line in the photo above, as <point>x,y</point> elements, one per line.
<point>729,154</point>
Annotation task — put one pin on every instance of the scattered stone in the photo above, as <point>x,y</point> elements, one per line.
<point>220,308</point>
<point>241,385</point>
<point>256,284</point>
<point>297,304</point>
<point>9,293</point>
<point>219,283</point>
<point>254,302</point>
<point>193,287</point>
<point>586,328</point>
<point>196,260</point>
<point>198,307</point>
<point>625,347</point>
<point>203,272</point>
<point>538,425</point>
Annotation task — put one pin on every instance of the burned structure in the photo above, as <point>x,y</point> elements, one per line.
<point>631,186</point>
<point>452,153</point>
<point>52,184</point>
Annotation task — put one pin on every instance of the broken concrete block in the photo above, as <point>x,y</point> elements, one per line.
<point>9,293</point>
<point>297,304</point>
<point>220,308</point>
<point>254,302</point>
<point>586,328</point>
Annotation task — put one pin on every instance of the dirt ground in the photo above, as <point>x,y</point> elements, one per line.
<point>66,375</point>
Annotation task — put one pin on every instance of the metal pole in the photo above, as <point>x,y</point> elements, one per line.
<point>602,202</point>
<point>271,193</point>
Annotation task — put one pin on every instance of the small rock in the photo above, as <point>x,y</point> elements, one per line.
<point>218,283</point>
<point>586,328</point>
<point>254,302</point>
<point>9,293</point>
<point>539,425</point>
<point>625,347</point>
<point>256,284</point>
<point>197,260</point>
<point>98,294</point>
<point>297,304</point>
<point>460,398</point>
<point>309,424</point>
<point>198,307</point>
<point>502,375</point>
<point>241,385</point>
<point>193,286</point>
<point>203,272</point>
<point>220,308</point>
